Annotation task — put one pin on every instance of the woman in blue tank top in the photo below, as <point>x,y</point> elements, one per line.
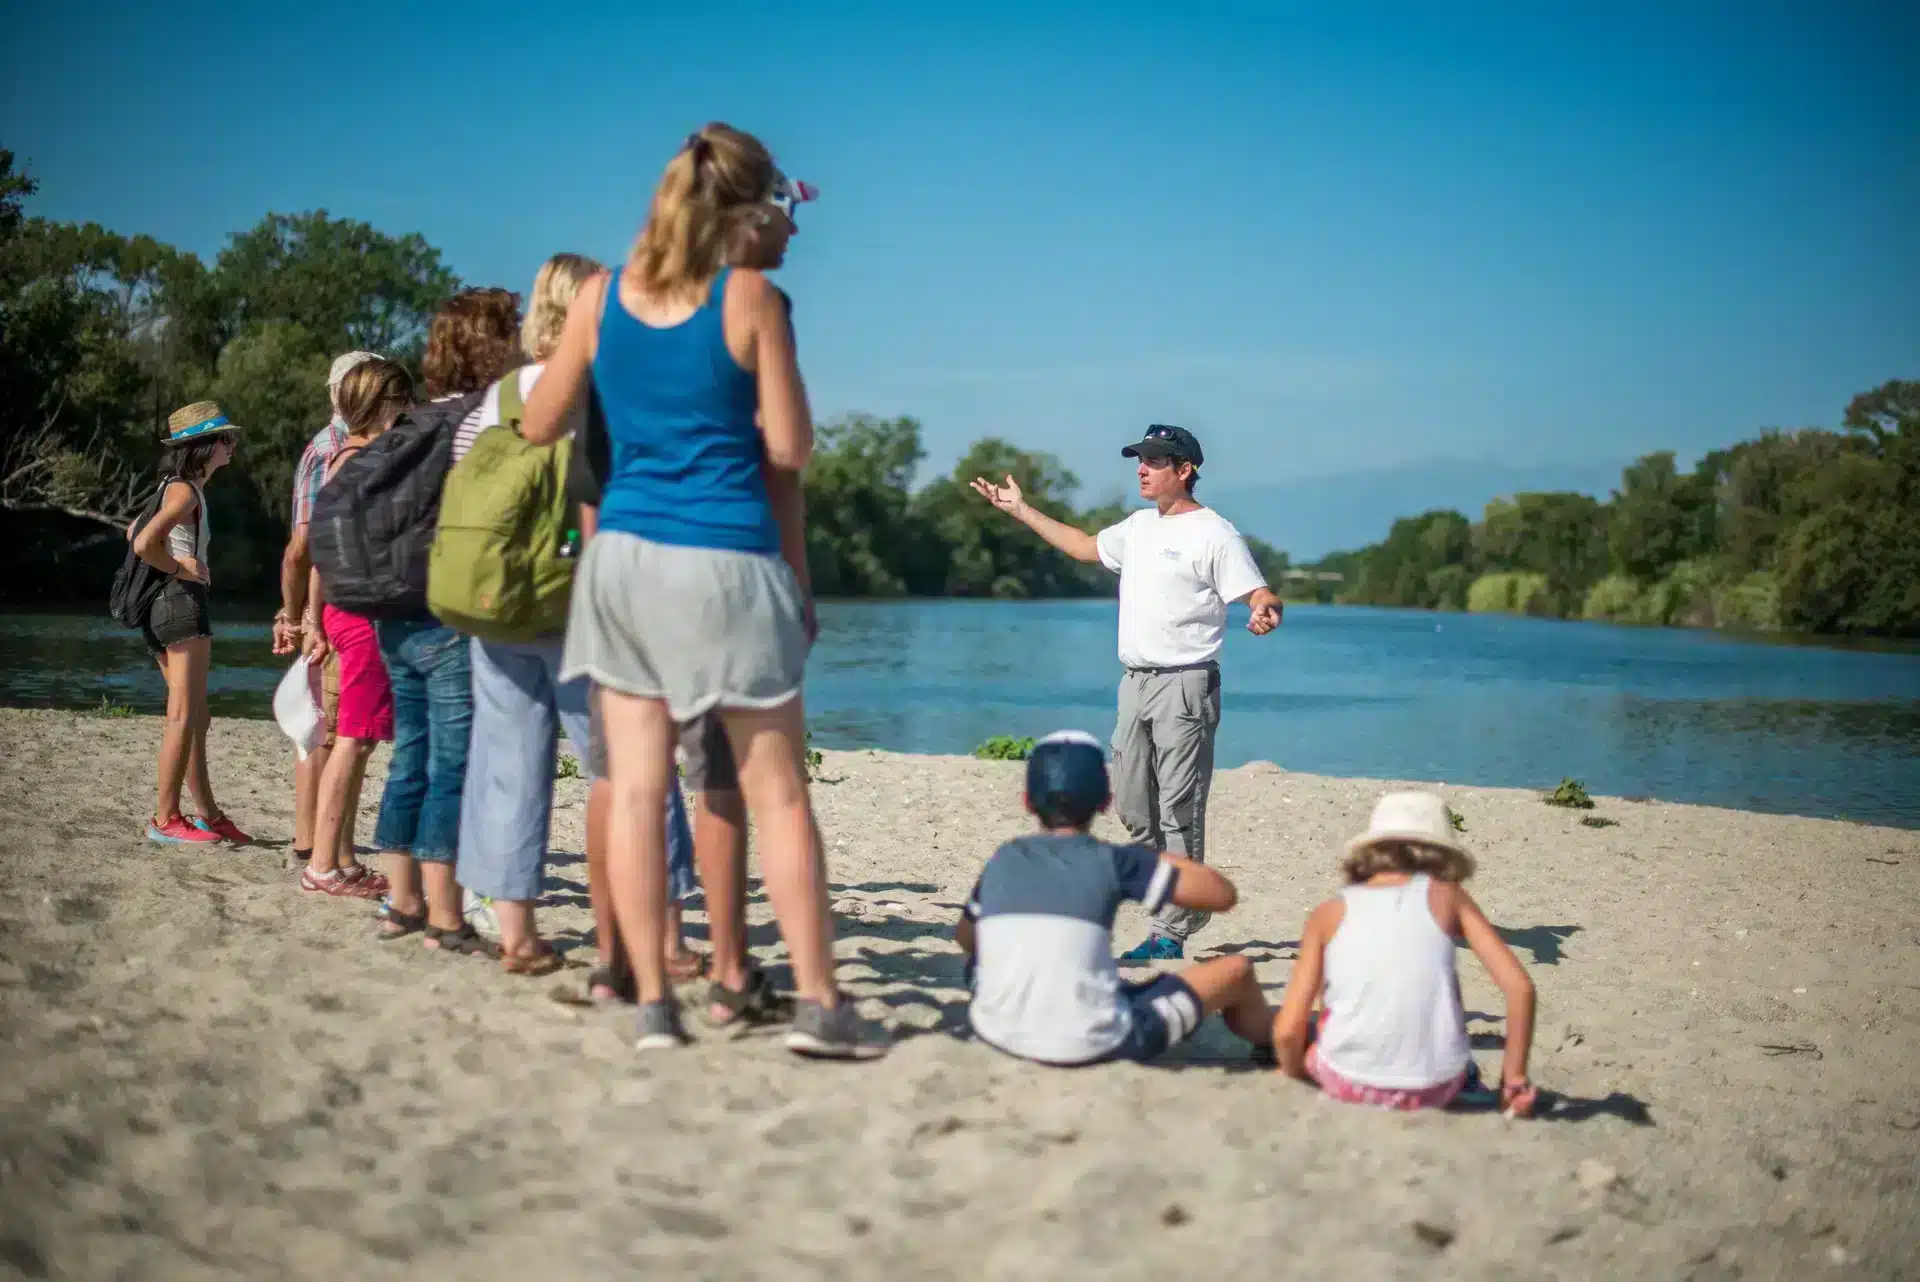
<point>689,598</point>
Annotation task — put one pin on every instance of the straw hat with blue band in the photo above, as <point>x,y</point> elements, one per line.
<point>199,421</point>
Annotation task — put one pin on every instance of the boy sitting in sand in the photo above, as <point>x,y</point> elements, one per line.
<point>1038,932</point>
<point>1380,957</point>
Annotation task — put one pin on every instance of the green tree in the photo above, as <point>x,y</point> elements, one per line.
<point>989,555</point>
<point>1659,517</point>
<point>863,536</point>
<point>341,281</point>
<point>1561,537</point>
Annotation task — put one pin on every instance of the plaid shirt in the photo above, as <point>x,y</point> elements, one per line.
<point>312,471</point>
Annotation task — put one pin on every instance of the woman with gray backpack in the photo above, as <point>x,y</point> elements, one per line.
<point>372,531</point>
<point>502,572</point>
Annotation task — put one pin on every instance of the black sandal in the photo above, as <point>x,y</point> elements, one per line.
<point>464,942</point>
<point>756,1005</point>
<point>616,979</point>
<point>408,924</point>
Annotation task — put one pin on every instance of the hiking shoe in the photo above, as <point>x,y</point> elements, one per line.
<point>223,828</point>
<point>839,1033</point>
<point>1154,948</point>
<point>658,1027</point>
<point>178,832</point>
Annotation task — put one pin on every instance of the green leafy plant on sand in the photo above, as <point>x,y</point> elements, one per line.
<point>1571,794</point>
<point>108,708</point>
<point>1455,818</point>
<point>814,760</point>
<point>1005,747</point>
<point>566,768</point>
<point>1598,821</point>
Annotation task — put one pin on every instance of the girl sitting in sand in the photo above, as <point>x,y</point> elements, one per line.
<point>1391,1032</point>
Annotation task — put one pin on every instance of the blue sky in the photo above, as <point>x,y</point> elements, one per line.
<point>1328,242</point>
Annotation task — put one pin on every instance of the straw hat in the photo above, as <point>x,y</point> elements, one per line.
<point>198,421</point>
<point>1410,816</point>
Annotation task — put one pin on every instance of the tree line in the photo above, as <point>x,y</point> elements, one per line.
<point>103,334</point>
<point>1814,530</point>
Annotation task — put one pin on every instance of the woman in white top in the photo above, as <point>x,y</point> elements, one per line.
<point>1379,957</point>
<point>174,540</point>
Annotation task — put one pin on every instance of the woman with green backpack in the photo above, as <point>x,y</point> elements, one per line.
<point>502,571</point>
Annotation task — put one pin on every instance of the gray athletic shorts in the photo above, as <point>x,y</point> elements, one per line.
<point>699,628</point>
<point>706,756</point>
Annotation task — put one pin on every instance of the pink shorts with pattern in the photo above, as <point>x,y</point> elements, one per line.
<point>1405,1101</point>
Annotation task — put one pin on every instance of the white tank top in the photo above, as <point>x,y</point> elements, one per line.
<point>191,540</point>
<point>1393,1016</point>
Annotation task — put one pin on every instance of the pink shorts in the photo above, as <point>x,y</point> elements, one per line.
<point>366,696</point>
<point>1405,1101</point>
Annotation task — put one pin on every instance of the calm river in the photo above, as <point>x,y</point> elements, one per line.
<point>1683,716</point>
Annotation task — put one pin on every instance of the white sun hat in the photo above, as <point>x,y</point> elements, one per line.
<point>296,706</point>
<point>343,363</point>
<point>1410,816</point>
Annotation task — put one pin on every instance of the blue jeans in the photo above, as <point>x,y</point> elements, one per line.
<point>432,717</point>
<point>520,706</point>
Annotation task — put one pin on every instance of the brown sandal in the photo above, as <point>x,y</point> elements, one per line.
<point>543,960</point>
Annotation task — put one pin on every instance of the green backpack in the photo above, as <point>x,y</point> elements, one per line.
<point>507,542</point>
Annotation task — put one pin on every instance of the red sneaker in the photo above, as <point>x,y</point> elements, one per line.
<point>223,828</point>
<point>178,832</point>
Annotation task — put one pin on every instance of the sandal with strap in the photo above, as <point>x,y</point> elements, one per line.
<point>542,961</point>
<point>752,1007</point>
<point>403,924</point>
<point>342,883</point>
<point>687,967</point>
<point>464,942</point>
<point>619,981</point>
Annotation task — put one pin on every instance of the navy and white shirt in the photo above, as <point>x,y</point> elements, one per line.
<point>1045,986</point>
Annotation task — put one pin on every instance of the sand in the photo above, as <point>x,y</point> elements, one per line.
<point>208,1075</point>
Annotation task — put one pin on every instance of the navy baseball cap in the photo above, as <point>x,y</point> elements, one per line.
<point>1067,771</point>
<point>1163,440</point>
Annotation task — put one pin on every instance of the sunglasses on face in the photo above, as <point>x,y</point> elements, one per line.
<point>789,195</point>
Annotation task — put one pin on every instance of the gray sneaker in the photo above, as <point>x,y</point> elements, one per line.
<point>657,1026</point>
<point>839,1033</point>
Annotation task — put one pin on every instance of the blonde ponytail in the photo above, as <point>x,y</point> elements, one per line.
<point>707,197</point>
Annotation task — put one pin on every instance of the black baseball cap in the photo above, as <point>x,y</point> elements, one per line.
<point>1067,777</point>
<point>1166,441</point>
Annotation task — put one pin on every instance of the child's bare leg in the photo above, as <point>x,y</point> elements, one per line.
<point>1227,985</point>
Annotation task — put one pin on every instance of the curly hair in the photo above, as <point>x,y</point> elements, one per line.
<point>474,339</point>
<point>711,190</point>
<point>1368,861</point>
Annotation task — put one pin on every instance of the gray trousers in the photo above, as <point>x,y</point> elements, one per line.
<point>1163,769</point>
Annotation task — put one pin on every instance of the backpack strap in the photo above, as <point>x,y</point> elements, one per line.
<point>513,406</point>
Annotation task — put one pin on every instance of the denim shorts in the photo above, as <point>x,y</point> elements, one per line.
<point>178,615</point>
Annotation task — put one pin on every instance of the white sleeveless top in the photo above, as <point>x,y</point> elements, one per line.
<point>1393,1016</point>
<point>192,540</point>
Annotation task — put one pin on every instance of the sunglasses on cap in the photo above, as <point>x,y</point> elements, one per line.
<point>789,194</point>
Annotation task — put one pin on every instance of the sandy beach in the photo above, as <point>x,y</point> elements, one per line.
<point>208,1075</point>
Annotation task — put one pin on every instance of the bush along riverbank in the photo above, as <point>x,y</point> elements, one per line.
<point>1809,531</point>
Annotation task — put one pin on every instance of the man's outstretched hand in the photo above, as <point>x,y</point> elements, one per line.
<point>1266,610</point>
<point>1007,497</point>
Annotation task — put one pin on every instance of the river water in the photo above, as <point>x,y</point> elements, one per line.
<point>1396,694</point>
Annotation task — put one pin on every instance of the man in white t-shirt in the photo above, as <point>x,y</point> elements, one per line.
<point>1179,565</point>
